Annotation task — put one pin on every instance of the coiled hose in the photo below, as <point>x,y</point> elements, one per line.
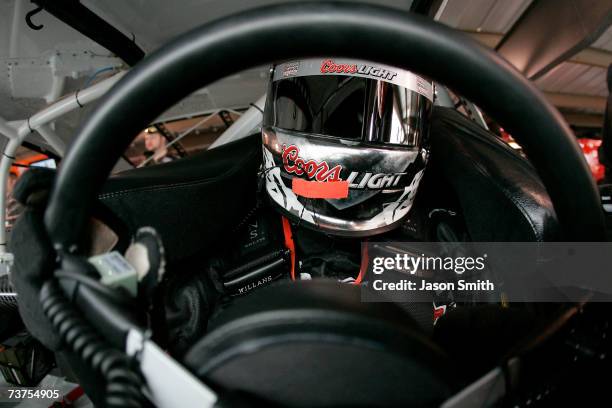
<point>123,383</point>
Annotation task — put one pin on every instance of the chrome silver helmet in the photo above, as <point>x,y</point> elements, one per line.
<point>345,143</point>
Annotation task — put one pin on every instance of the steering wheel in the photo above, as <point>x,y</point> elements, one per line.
<point>260,36</point>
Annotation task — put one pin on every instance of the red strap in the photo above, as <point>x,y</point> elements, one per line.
<point>289,244</point>
<point>439,311</point>
<point>364,264</point>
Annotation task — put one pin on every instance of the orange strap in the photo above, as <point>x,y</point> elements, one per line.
<point>364,265</point>
<point>289,244</point>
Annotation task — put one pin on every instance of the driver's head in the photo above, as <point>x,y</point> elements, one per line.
<point>153,140</point>
<point>345,143</point>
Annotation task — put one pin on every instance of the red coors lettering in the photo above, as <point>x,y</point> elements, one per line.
<point>320,171</point>
<point>330,67</point>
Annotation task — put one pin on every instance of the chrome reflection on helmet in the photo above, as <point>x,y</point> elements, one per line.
<point>356,124</point>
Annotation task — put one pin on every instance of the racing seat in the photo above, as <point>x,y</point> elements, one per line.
<point>501,199</point>
<point>500,194</point>
<point>194,203</point>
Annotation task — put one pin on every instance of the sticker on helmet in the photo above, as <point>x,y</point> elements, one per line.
<point>330,67</point>
<point>320,189</point>
<point>288,200</point>
<point>363,69</point>
<point>323,172</point>
<point>320,171</point>
<point>291,69</point>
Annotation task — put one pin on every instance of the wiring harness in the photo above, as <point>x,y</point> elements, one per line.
<point>123,383</point>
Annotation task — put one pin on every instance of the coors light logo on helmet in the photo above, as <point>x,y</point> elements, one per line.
<point>322,171</point>
<point>330,67</point>
<point>357,68</point>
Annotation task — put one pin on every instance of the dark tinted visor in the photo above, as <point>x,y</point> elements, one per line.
<point>370,105</point>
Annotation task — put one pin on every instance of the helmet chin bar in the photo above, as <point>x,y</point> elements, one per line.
<point>386,179</point>
<point>296,30</point>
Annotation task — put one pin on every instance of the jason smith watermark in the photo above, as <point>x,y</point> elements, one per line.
<point>408,285</point>
<point>411,264</point>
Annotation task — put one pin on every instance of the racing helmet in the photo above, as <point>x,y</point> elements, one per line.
<point>345,143</point>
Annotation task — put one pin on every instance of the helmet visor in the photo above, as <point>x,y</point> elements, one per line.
<point>352,100</point>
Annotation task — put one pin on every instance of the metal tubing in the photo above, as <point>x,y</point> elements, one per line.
<point>207,118</point>
<point>243,125</point>
<point>88,23</point>
<point>35,123</point>
<point>5,168</point>
<point>185,133</point>
<point>68,104</point>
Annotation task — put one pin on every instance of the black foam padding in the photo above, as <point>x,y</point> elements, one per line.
<point>501,195</point>
<point>193,203</point>
<point>34,263</point>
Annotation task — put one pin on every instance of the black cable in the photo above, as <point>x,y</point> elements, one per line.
<point>76,98</point>
<point>256,107</point>
<point>123,383</point>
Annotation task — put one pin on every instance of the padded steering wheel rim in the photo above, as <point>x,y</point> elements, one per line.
<point>374,33</point>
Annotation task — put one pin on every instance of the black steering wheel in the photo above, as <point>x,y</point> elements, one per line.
<point>235,43</point>
<point>260,36</point>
